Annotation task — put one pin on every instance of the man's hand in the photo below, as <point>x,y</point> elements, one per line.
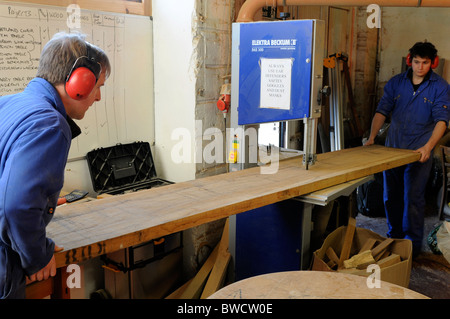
<point>47,271</point>
<point>438,132</point>
<point>369,142</point>
<point>425,153</point>
<point>377,122</point>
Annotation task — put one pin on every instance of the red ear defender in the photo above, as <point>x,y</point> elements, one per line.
<point>434,65</point>
<point>80,83</point>
<point>408,60</point>
<point>82,77</point>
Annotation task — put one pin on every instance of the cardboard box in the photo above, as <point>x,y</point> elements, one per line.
<point>398,273</point>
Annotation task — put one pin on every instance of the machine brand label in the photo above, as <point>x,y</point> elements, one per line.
<point>275,42</point>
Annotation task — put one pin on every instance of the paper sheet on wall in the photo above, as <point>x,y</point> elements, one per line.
<point>276,77</point>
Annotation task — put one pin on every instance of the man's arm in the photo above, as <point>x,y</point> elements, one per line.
<point>437,134</point>
<point>385,106</point>
<point>377,122</point>
<point>35,171</point>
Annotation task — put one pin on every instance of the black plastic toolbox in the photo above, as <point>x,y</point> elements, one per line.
<point>123,168</point>
<point>134,272</point>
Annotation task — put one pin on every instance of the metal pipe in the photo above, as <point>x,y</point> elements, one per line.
<point>332,106</point>
<point>250,7</point>
<point>339,118</point>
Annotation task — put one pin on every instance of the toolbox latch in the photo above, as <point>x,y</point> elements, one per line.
<point>124,171</point>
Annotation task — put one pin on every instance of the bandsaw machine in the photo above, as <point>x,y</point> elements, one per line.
<point>277,73</point>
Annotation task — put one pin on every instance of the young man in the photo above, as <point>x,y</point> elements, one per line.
<point>417,102</point>
<point>36,129</point>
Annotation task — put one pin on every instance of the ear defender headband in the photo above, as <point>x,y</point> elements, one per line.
<point>434,64</point>
<point>83,76</point>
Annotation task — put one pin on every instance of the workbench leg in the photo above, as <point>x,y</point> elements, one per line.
<point>60,289</point>
<point>305,253</point>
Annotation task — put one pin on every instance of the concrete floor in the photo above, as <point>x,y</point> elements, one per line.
<point>430,273</point>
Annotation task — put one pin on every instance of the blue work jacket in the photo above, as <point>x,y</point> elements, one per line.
<point>414,114</point>
<point>35,137</point>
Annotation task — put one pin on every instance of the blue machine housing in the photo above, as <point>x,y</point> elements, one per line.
<point>269,239</point>
<point>274,237</point>
<point>274,40</point>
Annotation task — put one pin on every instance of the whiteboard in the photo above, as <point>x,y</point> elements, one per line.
<point>125,112</point>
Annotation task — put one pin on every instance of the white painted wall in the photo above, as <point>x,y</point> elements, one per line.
<point>174,78</point>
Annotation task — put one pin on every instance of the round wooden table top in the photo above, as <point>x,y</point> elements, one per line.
<point>313,285</point>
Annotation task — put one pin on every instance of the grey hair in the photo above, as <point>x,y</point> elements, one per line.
<point>60,54</point>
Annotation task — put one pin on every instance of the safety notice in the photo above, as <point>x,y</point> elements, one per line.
<point>276,83</point>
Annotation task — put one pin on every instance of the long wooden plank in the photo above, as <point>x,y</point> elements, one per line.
<point>195,287</point>
<point>217,276</point>
<point>87,230</point>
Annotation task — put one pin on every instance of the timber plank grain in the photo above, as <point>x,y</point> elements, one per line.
<point>93,228</point>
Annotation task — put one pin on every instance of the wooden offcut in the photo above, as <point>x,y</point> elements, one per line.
<point>348,240</point>
<point>368,244</point>
<point>389,261</point>
<point>331,254</point>
<point>360,260</point>
<point>90,229</point>
<point>381,248</point>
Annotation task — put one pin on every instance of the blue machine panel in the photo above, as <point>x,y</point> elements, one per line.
<point>275,62</point>
<point>268,239</point>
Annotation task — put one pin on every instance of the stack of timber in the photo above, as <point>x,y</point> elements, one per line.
<point>372,252</point>
<point>211,276</point>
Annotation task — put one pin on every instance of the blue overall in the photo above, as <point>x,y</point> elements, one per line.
<point>413,118</point>
<point>35,137</point>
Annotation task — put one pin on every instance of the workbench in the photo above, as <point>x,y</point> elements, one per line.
<point>90,229</point>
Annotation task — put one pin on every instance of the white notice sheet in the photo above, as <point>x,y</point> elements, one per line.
<point>276,83</point>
